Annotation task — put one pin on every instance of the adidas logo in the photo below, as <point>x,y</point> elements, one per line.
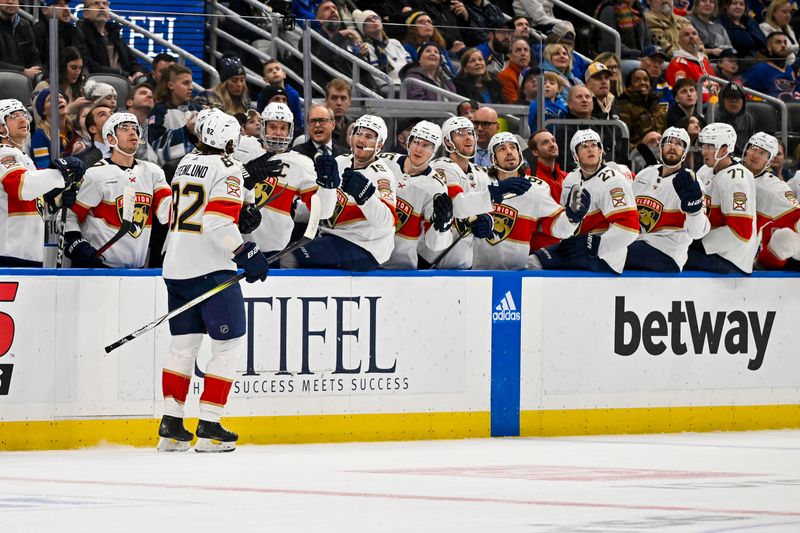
<point>506,309</point>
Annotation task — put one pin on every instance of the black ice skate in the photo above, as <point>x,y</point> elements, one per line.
<point>174,437</point>
<point>212,437</point>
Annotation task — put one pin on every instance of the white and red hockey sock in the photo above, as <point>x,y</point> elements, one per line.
<point>220,372</point>
<point>177,373</point>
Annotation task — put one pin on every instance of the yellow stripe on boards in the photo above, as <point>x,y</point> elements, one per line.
<point>658,420</point>
<point>67,434</point>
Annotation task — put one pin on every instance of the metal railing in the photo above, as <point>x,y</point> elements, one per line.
<point>592,124</point>
<point>780,104</point>
<point>356,62</point>
<point>594,22</point>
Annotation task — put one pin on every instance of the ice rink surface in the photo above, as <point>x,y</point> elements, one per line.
<point>709,482</point>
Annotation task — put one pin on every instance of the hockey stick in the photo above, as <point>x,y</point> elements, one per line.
<point>447,250</point>
<point>128,203</point>
<point>647,154</point>
<point>62,237</point>
<point>310,233</point>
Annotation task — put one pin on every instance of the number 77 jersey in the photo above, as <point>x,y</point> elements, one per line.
<point>207,193</point>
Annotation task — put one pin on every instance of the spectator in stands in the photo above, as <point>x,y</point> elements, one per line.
<point>140,103</point>
<point>529,85</point>
<point>777,166</point>
<point>474,82</point>
<point>482,14</point>
<point>519,58</point>
<point>68,32</point>
<point>250,123</point>
<point>693,125</point>
<point>544,165</point>
<point>421,30</point>
<point>703,17</point>
<point>486,125</point>
<point>562,33</point>
<point>404,127</point>
<point>275,94</point>
<point>598,81</point>
<point>450,16</point>
<point>580,106</point>
<point>385,54</point>
<point>158,66</point>
<point>522,29</point>
<point>99,93</point>
<point>640,107</point>
<point>305,9</point>
<point>727,66</point>
<point>171,132</point>
<point>774,76</point>
<point>539,12</point>
<point>612,63</point>
<point>338,96</point>
<point>230,94</point>
<point>653,62</point>
<point>733,111</point>
<point>746,37</point>
<point>428,69</point>
<point>554,104</point>
<point>777,18</point>
<point>467,109</point>
<point>685,93</point>
<point>557,59</point>
<point>40,139</point>
<point>275,76</point>
<point>494,50</point>
<point>664,24</point>
<point>70,79</point>
<point>105,50</point>
<point>321,121</point>
<point>688,61</point>
<point>97,148</point>
<point>652,141</point>
<point>18,50</point>
<point>627,17</point>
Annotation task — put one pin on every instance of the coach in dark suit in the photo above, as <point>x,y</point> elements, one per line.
<point>319,128</point>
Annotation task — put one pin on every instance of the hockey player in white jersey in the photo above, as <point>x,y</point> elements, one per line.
<point>359,236</point>
<point>670,203</point>
<point>28,194</point>
<point>612,222</point>
<point>424,209</point>
<point>204,248</point>
<point>730,196</point>
<point>97,215</point>
<point>522,204</point>
<point>777,211</point>
<point>278,177</point>
<point>467,186</point>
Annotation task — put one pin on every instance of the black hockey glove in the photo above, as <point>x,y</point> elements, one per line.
<point>483,226</point>
<point>515,186</point>
<point>327,171</point>
<point>580,246</point>
<point>578,204</point>
<point>260,169</point>
<point>82,254</point>
<point>689,191</point>
<point>70,167</point>
<point>58,198</point>
<point>357,185</point>
<point>442,217</point>
<point>253,262</point>
<point>249,218</point>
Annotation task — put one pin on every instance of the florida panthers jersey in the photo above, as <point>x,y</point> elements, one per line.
<point>277,194</point>
<point>22,209</point>
<point>730,196</point>
<point>97,213</point>
<point>662,223</point>
<point>207,195</point>
<point>794,184</point>
<point>469,191</point>
<point>776,208</point>
<point>370,226</point>
<point>515,220</point>
<point>612,212</point>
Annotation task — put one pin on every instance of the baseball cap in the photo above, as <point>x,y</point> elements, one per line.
<point>594,69</point>
<point>654,50</point>
<point>271,91</point>
<point>563,29</point>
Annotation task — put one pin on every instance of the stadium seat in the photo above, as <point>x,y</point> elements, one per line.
<point>793,110</point>
<point>15,84</point>
<point>764,116</point>
<point>120,84</point>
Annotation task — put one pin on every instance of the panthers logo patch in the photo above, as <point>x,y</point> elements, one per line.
<point>341,203</point>
<point>141,213</point>
<point>791,197</point>
<point>462,225</point>
<point>739,201</point>
<point>650,211</point>
<point>504,219</point>
<point>264,190</point>
<point>404,211</point>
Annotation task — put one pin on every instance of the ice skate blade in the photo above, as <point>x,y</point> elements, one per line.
<point>213,446</point>
<point>172,445</point>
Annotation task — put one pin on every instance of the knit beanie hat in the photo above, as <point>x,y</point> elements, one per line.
<point>230,66</point>
<point>359,17</point>
<point>41,98</point>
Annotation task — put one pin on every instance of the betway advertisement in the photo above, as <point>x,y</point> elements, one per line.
<point>644,342</point>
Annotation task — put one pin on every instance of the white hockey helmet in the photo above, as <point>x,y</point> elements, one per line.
<point>374,123</point>
<point>201,118</point>
<point>718,135</point>
<point>277,112</point>
<point>110,128</point>
<point>451,125</point>
<point>675,133</point>
<point>427,131</point>
<point>580,137</point>
<point>502,138</point>
<point>766,142</point>
<point>11,105</point>
<point>219,130</point>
